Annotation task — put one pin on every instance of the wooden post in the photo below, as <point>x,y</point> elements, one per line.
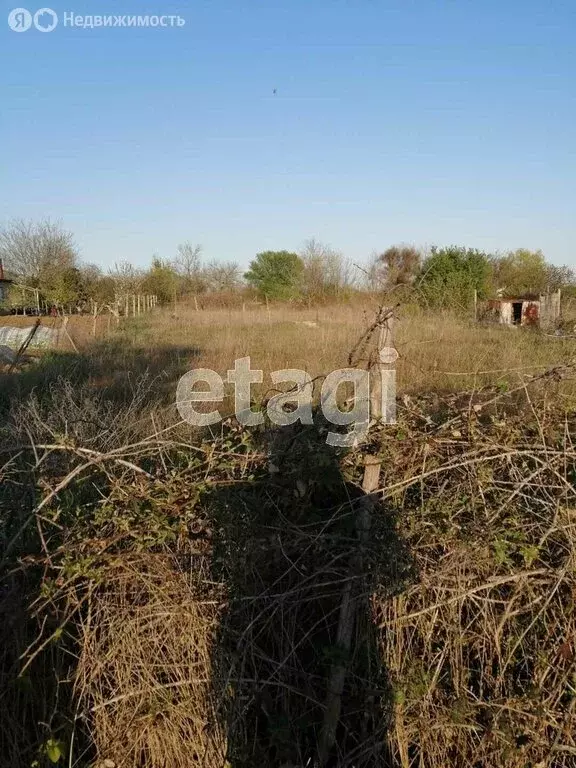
<point>196,302</point>
<point>348,610</point>
<point>65,329</point>
<point>383,377</point>
<point>133,305</point>
<point>475,305</point>
<point>94,317</point>
<point>138,304</point>
<point>126,306</point>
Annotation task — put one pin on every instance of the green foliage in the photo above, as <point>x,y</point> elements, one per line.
<point>450,275</point>
<point>65,287</point>
<point>521,272</point>
<point>97,286</point>
<point>53,749</point>
<point>276,274</point>
<point>161,280</point>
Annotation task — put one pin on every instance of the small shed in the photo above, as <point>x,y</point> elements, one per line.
<point>4,284</point>
<point>528,309</point>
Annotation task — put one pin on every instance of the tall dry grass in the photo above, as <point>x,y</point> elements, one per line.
<point>172,598</point>
<point>438,352</point>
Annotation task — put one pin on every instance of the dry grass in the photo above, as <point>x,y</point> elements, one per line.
<point>187,588</point>
<point>144,676</point>
<point>481,648</point>
<point>437,351</point>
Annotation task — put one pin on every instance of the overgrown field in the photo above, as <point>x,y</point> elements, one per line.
<point>437,350</point>
<point>174,598</point>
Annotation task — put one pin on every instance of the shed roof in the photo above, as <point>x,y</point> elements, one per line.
<point>525,297</point>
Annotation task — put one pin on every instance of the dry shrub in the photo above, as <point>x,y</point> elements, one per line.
<point>481,650</point>
<point>29,702</point>
<point>478,647</point>
<point>483,665</point>
<point>144,672</point>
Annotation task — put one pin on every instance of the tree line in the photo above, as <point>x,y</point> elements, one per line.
<point>42,256</point>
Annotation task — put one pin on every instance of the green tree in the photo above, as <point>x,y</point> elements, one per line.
<point>276,274</point>
<point>450,275</point>
<point>521,271</point>
<point>65,287</point>
<point>97,286</point>
<point>161,280</point>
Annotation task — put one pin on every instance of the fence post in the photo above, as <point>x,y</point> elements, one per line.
<point>347,619</point>
<point>94,317</point>
<point>383,378</point>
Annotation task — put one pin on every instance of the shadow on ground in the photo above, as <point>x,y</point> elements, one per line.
<point>287,547</point>
<point>111,368</point>
<point>93,398</point>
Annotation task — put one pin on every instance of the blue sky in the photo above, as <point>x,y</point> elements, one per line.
<point>419,121</point>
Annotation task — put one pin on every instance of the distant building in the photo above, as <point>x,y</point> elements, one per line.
<point>530,309</point>
<point>4,284</point>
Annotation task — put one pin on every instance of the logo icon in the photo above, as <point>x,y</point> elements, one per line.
<point>19,20</point>
<point>45,20</point>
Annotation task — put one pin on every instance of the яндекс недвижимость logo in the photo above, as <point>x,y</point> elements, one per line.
<point>21,20</point>
<point>46,19</point>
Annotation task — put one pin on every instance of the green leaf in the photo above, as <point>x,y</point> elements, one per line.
<point>54,750</point>
<point>530,553</point>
